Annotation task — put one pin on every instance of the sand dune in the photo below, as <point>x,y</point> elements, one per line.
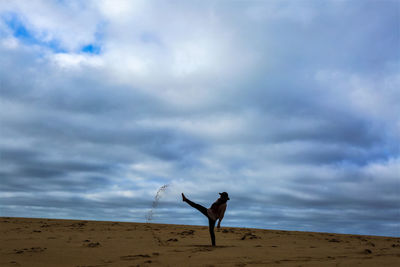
<point>48,242</point>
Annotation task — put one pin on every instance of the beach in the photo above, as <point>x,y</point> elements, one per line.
<point>51,242</point>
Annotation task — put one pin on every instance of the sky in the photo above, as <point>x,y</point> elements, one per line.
<point>292,107</point>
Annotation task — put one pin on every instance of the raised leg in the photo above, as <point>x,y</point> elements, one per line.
<point>195,205</point>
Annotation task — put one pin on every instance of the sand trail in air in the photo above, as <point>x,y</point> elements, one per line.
<point>150,213</point>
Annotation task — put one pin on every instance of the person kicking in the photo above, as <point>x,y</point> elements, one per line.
<point>214,213</point>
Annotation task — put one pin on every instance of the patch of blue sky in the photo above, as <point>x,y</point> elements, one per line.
<point>95,47</point>
<point>25,35</point>
<point>91,49</point>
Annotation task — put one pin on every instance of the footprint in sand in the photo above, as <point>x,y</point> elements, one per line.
<point>203,249</point>
<point>250,236</point>
<point>367,251</point>
<point>92,245</point>
<point>186,233</point>
<point>29,250</point>
<point>134,257</point>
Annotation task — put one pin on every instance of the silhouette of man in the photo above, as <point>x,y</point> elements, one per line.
<point>214,213</point>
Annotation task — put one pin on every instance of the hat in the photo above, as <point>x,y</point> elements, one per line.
<point>224,195</point>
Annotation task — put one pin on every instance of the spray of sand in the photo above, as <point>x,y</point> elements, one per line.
<point>149,215</point>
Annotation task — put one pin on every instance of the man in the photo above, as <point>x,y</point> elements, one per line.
<point>214,213</point>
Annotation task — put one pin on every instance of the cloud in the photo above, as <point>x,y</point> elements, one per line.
<point>290,107</point>
<point>70,25</point>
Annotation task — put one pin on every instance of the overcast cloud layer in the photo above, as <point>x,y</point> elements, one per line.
<point>292,107</point>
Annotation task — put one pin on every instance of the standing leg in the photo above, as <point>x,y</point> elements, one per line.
<point>211,222</point>
<point>195,205</point>
<point>211,225</point>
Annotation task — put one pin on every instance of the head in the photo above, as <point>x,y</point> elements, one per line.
<point>224,196</point>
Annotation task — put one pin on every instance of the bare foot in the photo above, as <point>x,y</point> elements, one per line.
<point>183,197</point>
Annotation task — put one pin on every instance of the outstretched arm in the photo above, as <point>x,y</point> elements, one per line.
<point>221,216</point>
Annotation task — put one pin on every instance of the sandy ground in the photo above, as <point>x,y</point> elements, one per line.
<point>47,242</point>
